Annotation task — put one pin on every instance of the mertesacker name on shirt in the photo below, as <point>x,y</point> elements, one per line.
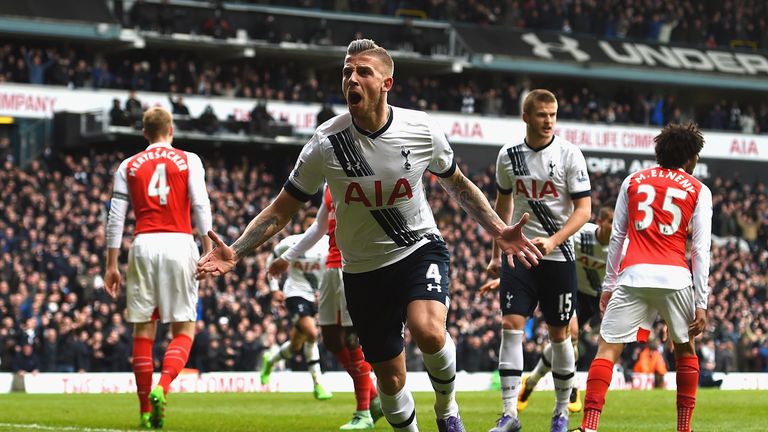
<point>160,153</point>
<point>675,176</point>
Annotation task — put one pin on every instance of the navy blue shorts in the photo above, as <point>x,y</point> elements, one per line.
<point>551,285</point>
<point>377,300</point>
<point>587,307</point>
<point>300,307</point>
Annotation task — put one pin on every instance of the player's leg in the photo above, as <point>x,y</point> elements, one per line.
<point>297,307</point>
<point>373,304</point>
<point>330,317</point>
<point>556,289</point>
<point>176,356</point>
<point>678,310</point>
<point>574,401</point>
<point>143,366</point>
<point>307,328</point>
<point>428,285</point>
<point>625,315</point>
<point>518,301</point>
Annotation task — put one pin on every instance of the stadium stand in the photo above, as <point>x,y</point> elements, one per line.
<point>54,202</point>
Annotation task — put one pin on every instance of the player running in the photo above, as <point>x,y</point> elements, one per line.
<point>339,336</point>
<point>304,275</point>
<point>655,209</point>
<point>162,183</point>
<point>395,262</point>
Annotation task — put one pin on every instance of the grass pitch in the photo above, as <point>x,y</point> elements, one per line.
<point>716,410</point>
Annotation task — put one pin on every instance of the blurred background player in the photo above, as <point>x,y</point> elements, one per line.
<point>547,176</point>
<point>161,183</point>
<point>304,275</point>
<point>339,336</point>
<point>655,208</point>
<point>591,247</point>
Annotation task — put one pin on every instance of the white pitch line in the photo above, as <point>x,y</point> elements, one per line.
<point>35,426</point>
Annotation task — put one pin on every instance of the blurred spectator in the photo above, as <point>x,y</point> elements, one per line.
<point>217,25</point>
<point>178,107</point>
<point>208,122</point>
<point>26,360</point>
<point>117,116</point>
<point>650,361</point>
<point>133,109</point>
<point>260,118</point>
<point>326,113</point>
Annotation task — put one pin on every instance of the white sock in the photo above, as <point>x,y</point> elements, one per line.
<point>400,410</point>
<point>312,356</point>
<point>441,368</point>
<point>284,353</point>
<point>543,367</point>
<point>563,371</point>
<point>510,368</point>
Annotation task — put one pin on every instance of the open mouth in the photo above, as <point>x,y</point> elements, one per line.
<point>354,98</point>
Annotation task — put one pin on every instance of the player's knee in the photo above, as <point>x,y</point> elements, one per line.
<point>351,341</point>
<point>390,381</point>
<point>430,341</point>
<point>513,322</point>
<point>558,334</point>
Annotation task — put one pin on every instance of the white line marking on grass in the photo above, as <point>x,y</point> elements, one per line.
<point>35,426</point>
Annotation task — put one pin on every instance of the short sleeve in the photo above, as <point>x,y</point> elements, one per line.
<point>307,175</point>
<point>577,175</point>
<point>504,184</point>
<point>442,163</point>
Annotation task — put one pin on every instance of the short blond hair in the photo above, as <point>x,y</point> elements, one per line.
<point>157,123</point>
<point>537,95</point>
<point>369,47</point>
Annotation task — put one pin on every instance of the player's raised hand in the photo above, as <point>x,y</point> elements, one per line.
<point>278,267</point>
<point>112,280</point>
<point>491,285</point>
<point>515,244</point>
<point>218,261</point>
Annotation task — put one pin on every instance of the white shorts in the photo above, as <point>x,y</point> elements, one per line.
<point>161,276</point>
<point>632,311</point>
<point>333,304</point>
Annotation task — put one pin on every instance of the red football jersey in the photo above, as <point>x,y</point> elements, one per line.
<point>334,255</point>
<point>158,182</point>
<point>661,203</point>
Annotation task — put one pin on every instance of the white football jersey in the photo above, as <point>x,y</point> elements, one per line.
<point>544,183</point>
<point>306,271</point>
<point>376,183</point>
<point>590,259</point>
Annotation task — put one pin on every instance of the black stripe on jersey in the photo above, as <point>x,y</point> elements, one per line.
<point>519,165</point>
<point>349,159</point>
<point>350,142</point>
<point>296,192</point>
<point>550,225</point>
<point>394,225</point>
<point>121,196</point>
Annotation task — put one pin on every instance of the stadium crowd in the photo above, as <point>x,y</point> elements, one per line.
<point>56,316</point>
<point>185,74</point>
<point>702,23</point>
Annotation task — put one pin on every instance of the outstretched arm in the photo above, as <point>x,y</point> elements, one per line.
<point>509,238</point>
<point>266,224</point>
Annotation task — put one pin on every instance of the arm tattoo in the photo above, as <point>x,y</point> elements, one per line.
<point>472,200</point>
<point>257,232</point>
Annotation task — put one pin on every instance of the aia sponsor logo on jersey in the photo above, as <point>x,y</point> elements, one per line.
<point>355,193</point>
<point>307,267</point>
<point>588,262</point>
<point>535,190</point>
